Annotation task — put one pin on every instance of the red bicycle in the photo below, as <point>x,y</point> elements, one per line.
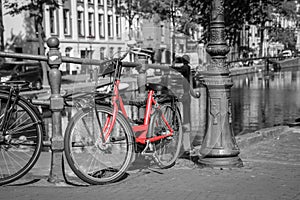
<point>101,141</point>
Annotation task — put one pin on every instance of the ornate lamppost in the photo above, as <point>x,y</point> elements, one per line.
<point>219,148</point>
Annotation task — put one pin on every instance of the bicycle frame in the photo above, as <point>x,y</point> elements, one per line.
<point>141,131</point>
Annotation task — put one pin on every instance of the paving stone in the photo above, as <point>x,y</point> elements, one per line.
<point>271,171</point>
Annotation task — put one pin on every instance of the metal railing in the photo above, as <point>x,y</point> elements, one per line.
<point>56,101</point>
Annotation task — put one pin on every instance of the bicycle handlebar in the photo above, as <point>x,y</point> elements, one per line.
<point>149,53</point>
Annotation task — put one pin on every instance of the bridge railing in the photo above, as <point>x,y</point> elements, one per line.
<point>56,101</point>
<point>266,60</point>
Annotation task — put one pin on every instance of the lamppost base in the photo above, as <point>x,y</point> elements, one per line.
<point>225,162</point>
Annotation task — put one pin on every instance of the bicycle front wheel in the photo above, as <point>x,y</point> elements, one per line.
<point>167,149</point>
<point>92,160</point>
<point>20,141</point>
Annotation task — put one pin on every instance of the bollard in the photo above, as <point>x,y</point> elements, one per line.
<point>219,148</point>
<point>56,106</point>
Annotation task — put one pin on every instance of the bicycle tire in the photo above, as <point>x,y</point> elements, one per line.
<point>168,149</point>
<point>87,157</point>
<point>21,146</point>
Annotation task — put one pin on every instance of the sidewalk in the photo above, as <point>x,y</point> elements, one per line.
<point>271,170</point>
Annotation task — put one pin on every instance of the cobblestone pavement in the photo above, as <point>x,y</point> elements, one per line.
<point>271,171</point>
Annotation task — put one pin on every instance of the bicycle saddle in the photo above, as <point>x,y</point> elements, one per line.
<point>165,92</point>
<point>15,84</point>
<point>156,87</point>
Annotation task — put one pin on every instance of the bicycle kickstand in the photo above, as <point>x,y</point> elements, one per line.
<point>149,151</point>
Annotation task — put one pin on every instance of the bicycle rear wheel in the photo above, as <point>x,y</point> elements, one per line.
<point>21,142</point>
<point>167,150</point>
<point>90,159</point>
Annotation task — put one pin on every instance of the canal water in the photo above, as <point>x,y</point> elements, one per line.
<point>263,99</point>
<point>258,101</point>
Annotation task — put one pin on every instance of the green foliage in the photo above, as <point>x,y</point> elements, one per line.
<point>129,9</point>
<point>34,7</point>
<point>132,8</point>
<point>184,14</point>
<point>236,14</point>
<point>285,36</point>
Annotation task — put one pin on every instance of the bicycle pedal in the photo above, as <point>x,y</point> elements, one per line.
<point>147,154</point>
<point>169,138</point>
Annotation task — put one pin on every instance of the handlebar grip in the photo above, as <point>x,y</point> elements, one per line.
<point>141,51</point>
<point>41,102</point>
<point>130,64</point>
<point>194,94</point>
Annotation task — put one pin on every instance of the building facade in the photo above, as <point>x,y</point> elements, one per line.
<point>86,29</point>
<point>91,29</point>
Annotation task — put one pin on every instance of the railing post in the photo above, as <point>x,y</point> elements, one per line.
<point>56,106</point>
<point>219,148</point>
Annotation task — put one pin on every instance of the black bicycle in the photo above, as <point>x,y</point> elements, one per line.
<point>21,132</point>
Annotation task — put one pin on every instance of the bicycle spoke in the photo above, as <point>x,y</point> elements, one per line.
<point>20,128</point>
<point>93,160</point>
<point>22,139</point>
<point>165,122</point>
<point>19,118</point>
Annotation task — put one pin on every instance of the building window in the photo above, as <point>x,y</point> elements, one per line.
<point>102,53</point>
<point>110,25</point>
<point>118,26</point>
<point>109,3</point>
<point>88,54</point>
<point>138,29</point>
<point>53,20</point>
<point>118,3</point>
<point>181,48</point>
<point>67,21</point>
<point>90,1</point>
<point>162,30</point>
<point>80,23</point>
<point>68,50</point>
<point>100,2</point>
<point>91,24</point>
<point>101,25</point>
<point>111,52</point>
<point>119,51</point>
<point>162,33</point>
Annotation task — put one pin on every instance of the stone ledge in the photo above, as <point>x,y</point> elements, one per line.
<point>257,136</point>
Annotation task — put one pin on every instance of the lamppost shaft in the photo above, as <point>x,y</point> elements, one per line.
<point>219,147</point>
<point>1,28</point>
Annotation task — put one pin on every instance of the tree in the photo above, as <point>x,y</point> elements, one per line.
<point>285,36</point>
<point>130,9</point>
<point>169,10</point>
<point>35,8</point>
<point>188,14</point>
<point>179,14</point>
<point>195,12</point>
<point>236,13</point>
<point>262,12</point>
